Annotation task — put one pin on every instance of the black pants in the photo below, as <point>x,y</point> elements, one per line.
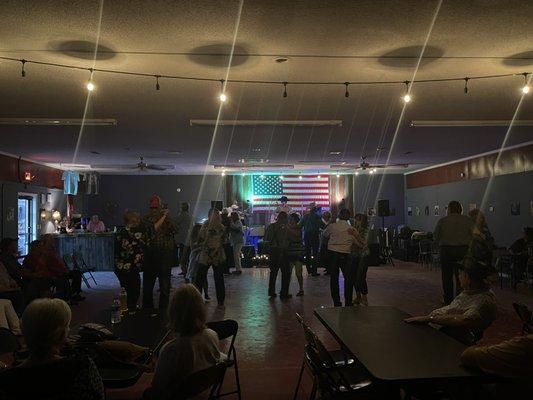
<point>131,281</point>
<point>279,260</point>
<point>180,247</point>
<point>450,257</point>
<point>218,273</point>
<point>312,243</point>
<point>184,259</point>
<point>158,266</point>
<point>75,277</point>
<point>342,262</point>
<point>359,268</point>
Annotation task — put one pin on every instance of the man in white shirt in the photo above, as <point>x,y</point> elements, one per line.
<point>340,240</point>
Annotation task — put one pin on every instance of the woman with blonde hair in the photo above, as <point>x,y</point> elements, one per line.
<point>211,242</point>
<point>194,348</point>
<point>45,326</point>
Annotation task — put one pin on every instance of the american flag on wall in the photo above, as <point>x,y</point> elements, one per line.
<point>267,190</point>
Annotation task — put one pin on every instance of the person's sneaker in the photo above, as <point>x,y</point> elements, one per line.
<point>300,293</point>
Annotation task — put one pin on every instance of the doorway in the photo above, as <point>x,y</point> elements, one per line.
<point>27,221</point>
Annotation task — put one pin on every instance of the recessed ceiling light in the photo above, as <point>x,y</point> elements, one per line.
<point>281,59</point>
<point>408,152</point>
<point>95,152</point>
<point>334,152</point>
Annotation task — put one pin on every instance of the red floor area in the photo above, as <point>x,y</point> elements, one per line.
<point>270,342</point>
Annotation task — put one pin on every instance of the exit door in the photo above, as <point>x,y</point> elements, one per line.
<point>27,222</point>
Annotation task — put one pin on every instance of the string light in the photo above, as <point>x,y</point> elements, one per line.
<point>157,87</point>
<point>356,172</point>
<point>371,171</point>
<point>406,97</point>
<point>262,176</point>
<point>90,85</point>
<point>525,88</point>
<point>338,175</point>
<point>243,174</point>
<point>223,173</point>
<point>222,97</point>
<point>300,176</point>
<point>319,176</point>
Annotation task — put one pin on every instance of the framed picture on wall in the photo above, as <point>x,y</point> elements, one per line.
<point>491,209</point>
<point>410,210</point>
<point>436,211</point>
<point>417,210</point>
<point>426,210</point>
<point>371,212</point>
<point>472,206</point>
<point>515,208</point>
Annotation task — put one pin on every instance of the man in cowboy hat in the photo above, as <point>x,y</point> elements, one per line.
<point>160,255</point>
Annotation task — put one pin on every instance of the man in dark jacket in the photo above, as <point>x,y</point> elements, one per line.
<point>277,238</point>
<point>311,224</point>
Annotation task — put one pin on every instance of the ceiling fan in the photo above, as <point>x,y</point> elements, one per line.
<point>365,165</point>
<point>141,166</point>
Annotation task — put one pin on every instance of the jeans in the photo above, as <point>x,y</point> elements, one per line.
<point>131,281</point>
<point>184,259</point>
<point>158,266</point>
<point>237,255</point>
<point>312,243</point>
<point>450,257</point>
<point>342,262</point>
<point>279,261</point>
<point>360,267</point>
<point>298,266</point>
<point>201,281</point>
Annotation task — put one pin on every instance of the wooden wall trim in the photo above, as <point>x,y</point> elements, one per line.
<point>43,175</point>
<point>510,161</point>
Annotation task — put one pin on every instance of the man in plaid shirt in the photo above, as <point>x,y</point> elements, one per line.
<point>160,255</point>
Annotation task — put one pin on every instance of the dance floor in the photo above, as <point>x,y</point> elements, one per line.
<point>270,342</point>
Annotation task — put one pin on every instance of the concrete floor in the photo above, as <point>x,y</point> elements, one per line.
<point>270,342</point>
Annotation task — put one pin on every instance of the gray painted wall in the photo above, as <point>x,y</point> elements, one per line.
<point>504,189</point>
<point>367,192</point>
<point>134,192</point>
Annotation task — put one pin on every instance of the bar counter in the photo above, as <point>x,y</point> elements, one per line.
<point>97,249</point>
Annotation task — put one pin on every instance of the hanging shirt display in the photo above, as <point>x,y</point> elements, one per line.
<point>70,182</point>
<point>92,181</point>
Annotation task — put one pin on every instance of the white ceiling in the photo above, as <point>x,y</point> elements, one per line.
<point>477,37</point>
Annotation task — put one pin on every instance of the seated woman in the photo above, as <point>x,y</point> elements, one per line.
<point>95,225</point>
<point>44,263</point>
<point>472,311</point>
<point>194,348</point>
<point>10,289</point>
<point>46,374</point>
<point>8,317</point>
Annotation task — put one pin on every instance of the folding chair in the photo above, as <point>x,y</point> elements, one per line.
<point>228,329</point>
<point>79,262</point>
<point>339,357</point>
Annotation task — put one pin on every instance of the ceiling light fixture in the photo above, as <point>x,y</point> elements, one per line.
<point>371,171</point>
<point>284,89</point>
<point>319,176</point>
<point>22,70</point>
<point>338,175</point>
<point>222,97</point>
<point>245,122</point>
<point>356,172</point>
<point>346,92</point>
<point>407,97</point>
<point>525,88</point>
<point>157,87</point>
<point>300,176</point>
<point>90,85</point>
<point>466,85</point>
<point>223,172</point>
<point>475,122</point>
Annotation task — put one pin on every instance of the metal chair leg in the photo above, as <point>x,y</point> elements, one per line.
<point>85,280</point>
<point>300,375</point>
<point>237,379</point>
<point>92,276</point>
